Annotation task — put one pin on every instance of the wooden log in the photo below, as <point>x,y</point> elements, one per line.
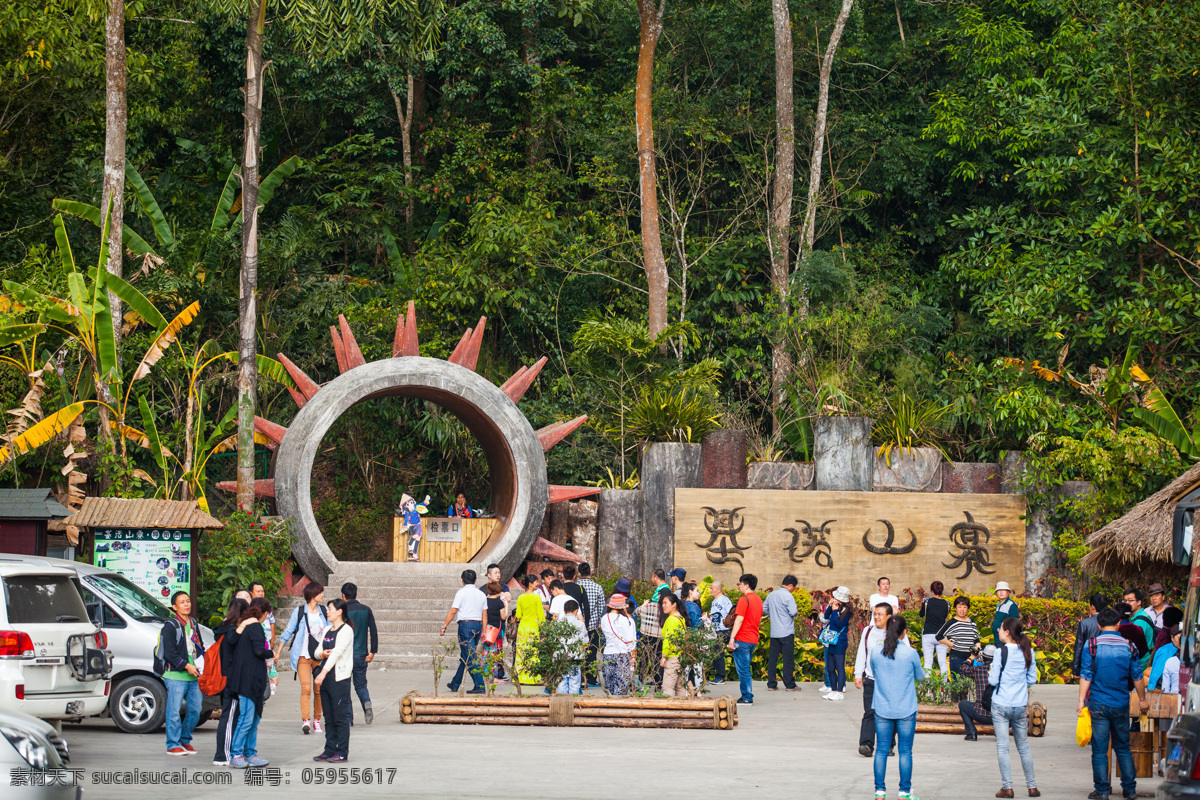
<point>940,727</point>
<point>925,708</point>
<point>494,711</point>
<point>656,722</point>
<point>455,700</point>
<point>639,713</point>
<point>481,720</point>
<point>699,704</point>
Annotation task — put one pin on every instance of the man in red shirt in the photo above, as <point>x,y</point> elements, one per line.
<point>743,636</point>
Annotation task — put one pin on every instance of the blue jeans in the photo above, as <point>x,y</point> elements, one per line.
<point>571,683</point>
<point>359,674</point>
<point>741,662</point>
<point>245,735</point>
<point>835,665</point>
<point>906,730</point>
<point>1111,721</point>
<point>468,640</point>
<point>179,731</point>
<point>1002,718</point>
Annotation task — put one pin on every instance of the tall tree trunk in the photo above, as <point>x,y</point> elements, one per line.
<point>650,19</point>
<point>814,168</point>
<point>781,205</point>
<point>116,119</point>
<point>247,375</point>
<point>533,62</point>
<point>404,113</point>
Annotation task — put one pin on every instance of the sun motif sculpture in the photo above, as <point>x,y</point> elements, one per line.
<point>515,452</point>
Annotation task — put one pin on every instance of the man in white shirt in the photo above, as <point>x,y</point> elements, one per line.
<point>543,587</point>
<point>721,606</point>
<point>469,607</point>
<point>558,599</point>
<point>871,640</point>
<point>884,595</point>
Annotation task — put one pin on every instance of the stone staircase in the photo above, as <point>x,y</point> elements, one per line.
<point>409,600</point>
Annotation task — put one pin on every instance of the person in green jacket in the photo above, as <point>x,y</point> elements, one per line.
<point>1141,617</point>
<point>1005,607</point>
<point>366,645</point>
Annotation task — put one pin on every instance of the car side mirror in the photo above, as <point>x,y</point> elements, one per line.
<point>95,613</point>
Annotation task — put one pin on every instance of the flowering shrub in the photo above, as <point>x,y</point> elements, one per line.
<point>244,551</point>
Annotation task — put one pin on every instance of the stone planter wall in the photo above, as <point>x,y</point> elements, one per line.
<point>915,470</point>
<point>791,475</point>
<point>666,466</point>
<point>963,477</point>
<point>723,460</point>
<point>845,457</point>
<point>619,533</point>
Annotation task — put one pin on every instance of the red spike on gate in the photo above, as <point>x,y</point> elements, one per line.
<point>271,430</point>
<point>560,493</point>
<point>354,356</point>
<point>410,346</point>
<point>398,339</point>
<point>460,348</point>
<point>307,386</point>
<point>338,351</point>
<point>471,356</point>
<point>516,386</point>
<point>553,434</point>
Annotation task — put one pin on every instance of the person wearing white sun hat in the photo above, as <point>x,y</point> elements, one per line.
<point>1005,607</point>
<point>836,617</point>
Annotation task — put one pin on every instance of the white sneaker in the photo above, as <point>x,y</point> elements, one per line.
<point>305,727</point>
<point>824,689</point>
<point>316,726</point>
<point>835,696</point>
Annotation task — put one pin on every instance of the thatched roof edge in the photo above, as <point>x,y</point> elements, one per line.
<point>1140,541</point>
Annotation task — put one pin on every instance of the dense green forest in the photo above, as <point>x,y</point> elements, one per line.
<point>1004,250</point>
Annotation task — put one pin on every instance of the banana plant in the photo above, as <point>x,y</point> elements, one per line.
<point>84,319</point>
<point>226,215</point>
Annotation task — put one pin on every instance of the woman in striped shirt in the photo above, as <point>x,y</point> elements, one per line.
<point>959,634</point>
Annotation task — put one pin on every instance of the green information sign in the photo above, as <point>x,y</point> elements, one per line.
<point>157,559</point>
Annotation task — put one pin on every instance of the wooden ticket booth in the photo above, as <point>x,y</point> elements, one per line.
<point>446,540</point>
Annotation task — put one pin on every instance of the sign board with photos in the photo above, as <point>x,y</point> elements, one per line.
<point>158,560</point>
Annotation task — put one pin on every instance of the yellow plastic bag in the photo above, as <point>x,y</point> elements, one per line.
<point>1083,729</point>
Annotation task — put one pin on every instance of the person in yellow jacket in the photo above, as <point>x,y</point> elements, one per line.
<point>672,627</point>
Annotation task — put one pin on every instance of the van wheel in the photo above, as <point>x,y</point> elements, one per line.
<point>139,704</point>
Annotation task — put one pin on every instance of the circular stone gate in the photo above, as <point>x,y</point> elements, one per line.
<point>515,452</point>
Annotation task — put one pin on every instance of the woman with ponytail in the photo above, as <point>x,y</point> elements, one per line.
<point>1013,672</point>
<point>897,668</point>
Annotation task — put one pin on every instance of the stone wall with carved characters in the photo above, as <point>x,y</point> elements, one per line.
<point>826,539</point>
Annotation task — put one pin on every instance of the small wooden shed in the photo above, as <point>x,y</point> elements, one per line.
<point>153,543</point>
<point>24,514</point>
<point>1139,544</point>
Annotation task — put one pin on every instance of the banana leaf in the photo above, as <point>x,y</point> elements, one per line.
<point>129,237</point>
<point>162,231</point>
<point>43,432</point>
<point>268,185</point>
<point>165,339</point>
<point>135,300</point>
<point>152,434</point>
<point>19,333</point>
<point>220,219</point>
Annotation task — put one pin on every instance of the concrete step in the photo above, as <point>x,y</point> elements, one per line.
<point>426,626</point>
<point>384,606</point>
<point>370,594</point>
<point>361,570</point>
<point>453,583</point>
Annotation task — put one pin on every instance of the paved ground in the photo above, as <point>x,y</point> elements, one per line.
<point>786,745</point>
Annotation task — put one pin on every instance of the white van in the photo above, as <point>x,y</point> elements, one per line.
<point>53,658</point>
<point>132,619</point>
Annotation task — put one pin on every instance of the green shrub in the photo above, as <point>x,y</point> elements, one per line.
<point>242,552</point>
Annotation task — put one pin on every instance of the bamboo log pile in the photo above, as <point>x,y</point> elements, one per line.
<point>946,719</point>
<point>702,713</point>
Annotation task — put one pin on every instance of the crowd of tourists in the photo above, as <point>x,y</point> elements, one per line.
<point>1132,644</point>
<point>331,645</point>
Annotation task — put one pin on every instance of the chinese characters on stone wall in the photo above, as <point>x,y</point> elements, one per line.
<point>968,538</point>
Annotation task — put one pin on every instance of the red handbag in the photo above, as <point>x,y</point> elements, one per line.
<point>491,634</point>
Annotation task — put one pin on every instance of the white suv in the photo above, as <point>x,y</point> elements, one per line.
<point>53,661</point>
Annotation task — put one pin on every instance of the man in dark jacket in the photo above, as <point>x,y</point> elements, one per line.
<point>363,620</point>
<point>181,660</point>
<point>1088,629</point>
<point>575,591</point>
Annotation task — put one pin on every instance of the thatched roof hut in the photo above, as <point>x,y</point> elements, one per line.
<point>1138,545</point>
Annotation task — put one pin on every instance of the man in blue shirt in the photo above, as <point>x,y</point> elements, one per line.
<point>1109,671</point>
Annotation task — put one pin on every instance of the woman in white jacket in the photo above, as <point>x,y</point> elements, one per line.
<point>337,649</point>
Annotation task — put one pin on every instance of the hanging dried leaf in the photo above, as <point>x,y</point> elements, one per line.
<point>165,340</point>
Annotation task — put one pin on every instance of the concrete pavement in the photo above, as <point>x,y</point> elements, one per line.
<point>787,745</point>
